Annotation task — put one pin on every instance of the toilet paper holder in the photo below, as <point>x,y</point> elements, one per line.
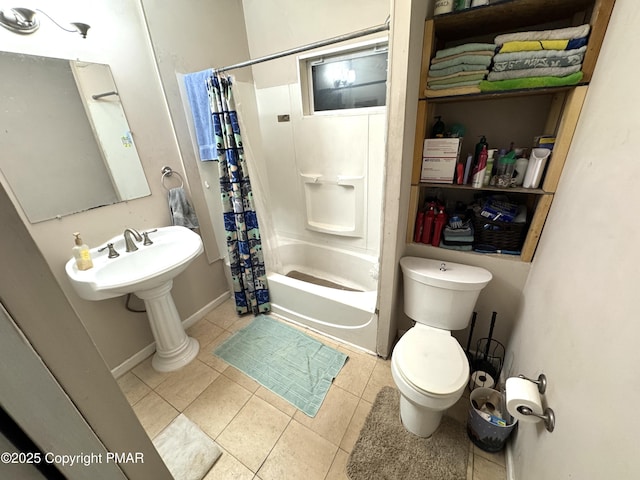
<point>548,417</point>
<point>541,382</point>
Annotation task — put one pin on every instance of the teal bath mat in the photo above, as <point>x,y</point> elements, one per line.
<point>286,361</point>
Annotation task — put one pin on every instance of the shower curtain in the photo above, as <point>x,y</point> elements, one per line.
<point>244,245</point>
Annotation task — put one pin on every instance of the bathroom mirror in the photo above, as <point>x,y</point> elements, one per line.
<point>65,142</point>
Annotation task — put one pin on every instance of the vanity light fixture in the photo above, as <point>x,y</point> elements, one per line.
<point>24,21</point>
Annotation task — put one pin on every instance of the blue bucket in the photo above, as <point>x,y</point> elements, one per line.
<point>489,425</point>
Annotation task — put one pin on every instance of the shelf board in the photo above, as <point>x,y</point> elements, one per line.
<point>488,19</point>
<point>521,92</point>
<point>515,258</point>
<point>454,186</point>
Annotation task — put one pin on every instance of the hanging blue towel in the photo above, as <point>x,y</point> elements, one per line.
<point>196,84</point>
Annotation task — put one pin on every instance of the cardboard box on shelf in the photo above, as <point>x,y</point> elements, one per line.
<point>439,158</point>
<point>544,141</point>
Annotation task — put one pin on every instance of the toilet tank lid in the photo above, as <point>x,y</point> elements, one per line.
<point>455,276</point>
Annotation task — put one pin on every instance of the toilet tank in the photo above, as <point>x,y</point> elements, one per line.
<point>441,294</point>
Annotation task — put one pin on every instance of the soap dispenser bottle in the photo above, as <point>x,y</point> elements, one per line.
<point>81,253</point>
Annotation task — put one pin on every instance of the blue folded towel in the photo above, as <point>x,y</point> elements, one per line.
<point>196,84</point>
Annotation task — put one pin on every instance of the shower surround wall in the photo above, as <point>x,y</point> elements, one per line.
<point>350,146</point>
<point>330,167</point>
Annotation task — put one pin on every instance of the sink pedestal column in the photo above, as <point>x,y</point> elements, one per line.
<point>174,349</point>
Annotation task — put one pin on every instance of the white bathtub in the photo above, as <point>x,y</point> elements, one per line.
<point>349,316</point>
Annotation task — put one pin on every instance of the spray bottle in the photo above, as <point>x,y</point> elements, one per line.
<point>479,146</point>
<point>441,220</point>
<point>417,236</point>
<point>427,228</point>
<point>481,167</point>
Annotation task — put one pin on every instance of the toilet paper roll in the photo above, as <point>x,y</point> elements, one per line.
<point>522,392</point>
<point>481,379</point>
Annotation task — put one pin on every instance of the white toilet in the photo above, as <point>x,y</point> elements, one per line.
<point>428,365</point>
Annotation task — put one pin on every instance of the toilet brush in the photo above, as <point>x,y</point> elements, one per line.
<point>483,362</point>
<point>473,324</point>
<point>493,322</point>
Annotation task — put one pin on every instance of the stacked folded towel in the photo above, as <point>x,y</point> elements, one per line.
<point>537,59</point>
<point>459,70</point>
<point>458,236</point>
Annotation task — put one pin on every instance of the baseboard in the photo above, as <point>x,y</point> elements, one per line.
<point>138,357</point>
<point>206,309</point>
<point>132,361</point>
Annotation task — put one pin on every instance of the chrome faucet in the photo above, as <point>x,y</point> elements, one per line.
<point>128,241</point>
<point>112,251</point>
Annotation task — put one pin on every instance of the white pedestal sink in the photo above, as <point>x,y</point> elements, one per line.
<point>147,272</point>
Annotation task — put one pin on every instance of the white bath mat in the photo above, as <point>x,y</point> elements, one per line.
<point>186,450</point>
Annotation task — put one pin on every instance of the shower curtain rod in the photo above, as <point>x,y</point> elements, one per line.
<point>311,46</point>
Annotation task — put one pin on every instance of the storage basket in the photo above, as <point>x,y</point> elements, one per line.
<point>498,235</point>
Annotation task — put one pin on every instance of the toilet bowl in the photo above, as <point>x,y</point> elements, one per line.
<point>431,372</point>
<point>428,365</point>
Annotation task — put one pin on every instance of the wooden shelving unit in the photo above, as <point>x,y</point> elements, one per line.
<point>562,105</point>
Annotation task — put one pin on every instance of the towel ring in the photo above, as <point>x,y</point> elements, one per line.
<point>168,172</point>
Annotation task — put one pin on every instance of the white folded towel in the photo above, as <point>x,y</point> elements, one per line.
<point>557,34</point>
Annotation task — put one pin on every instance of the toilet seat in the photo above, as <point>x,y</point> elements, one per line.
<point>432,361</point>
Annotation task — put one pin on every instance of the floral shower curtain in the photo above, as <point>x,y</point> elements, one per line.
<point>248,271</point>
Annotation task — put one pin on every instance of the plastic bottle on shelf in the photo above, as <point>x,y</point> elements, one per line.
<point>521,167</point>
<point>427,228</point>
<point>506,167</point>
<point>417,236</point>
<point>537,162</point>
<point>437,131</point>
<point>468,170</point>
<point>489,170</point>
<point>481,167</point>
<point>479,146</point>
<point>438,226</point>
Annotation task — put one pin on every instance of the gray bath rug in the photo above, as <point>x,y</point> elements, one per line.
<point>186,450</point>
<point>386,451</point>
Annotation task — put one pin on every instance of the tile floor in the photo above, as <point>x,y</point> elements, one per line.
<point>262,436</point>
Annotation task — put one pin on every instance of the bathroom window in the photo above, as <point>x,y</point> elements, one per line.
<point>347,79</point>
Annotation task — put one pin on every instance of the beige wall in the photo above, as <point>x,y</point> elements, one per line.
<point>279,25</point>
<point>29,292</point>
<point>119,38</point>
<point>579,322</point>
